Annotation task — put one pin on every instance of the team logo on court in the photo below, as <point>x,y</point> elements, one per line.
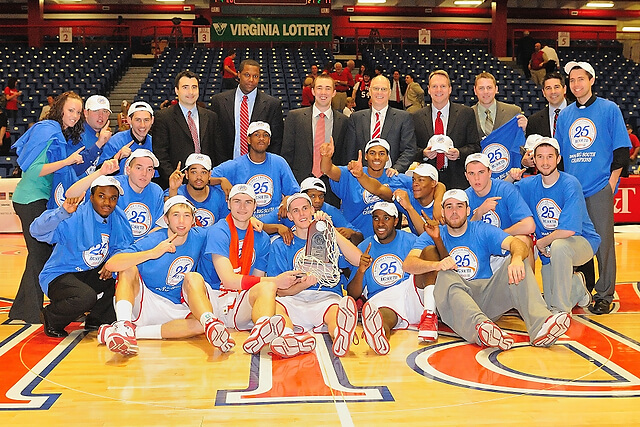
<point>387,270</point>
<point>466,261</point>
<point>94,256</point>
<point>548,213</point>
<point>499,157</point>
<point>179,267</point>
<point>139,217</point>
<point>263,187</point>
<point>204,217</point>
<point>582,133</point>
<point>492,218</point>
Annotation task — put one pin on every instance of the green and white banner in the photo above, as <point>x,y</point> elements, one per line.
<point>271,29</point>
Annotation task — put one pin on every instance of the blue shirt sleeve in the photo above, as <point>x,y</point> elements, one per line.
<point>43,228</point>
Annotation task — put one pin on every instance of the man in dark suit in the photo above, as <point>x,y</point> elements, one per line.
<point>398,88</point>
<point>230,106</point>
<point>380,121</point>
<point>491,114</point>
<point>457,121</point>
<point>176,128</point>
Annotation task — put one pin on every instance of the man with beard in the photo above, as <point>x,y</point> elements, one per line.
<point>468,295</point>
<point>565,236</point>
<point>267,174</point>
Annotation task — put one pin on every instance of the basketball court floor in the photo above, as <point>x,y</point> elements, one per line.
<point>591,377</point>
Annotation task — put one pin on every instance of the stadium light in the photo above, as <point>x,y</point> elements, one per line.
<point>371,1</point>
<point>635,29</point>
<point>600,4</point>
<point>468,2</point>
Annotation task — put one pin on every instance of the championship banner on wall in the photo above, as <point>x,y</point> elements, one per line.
<point>271,29</point>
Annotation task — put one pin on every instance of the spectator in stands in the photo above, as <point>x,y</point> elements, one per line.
<point>393,125</point>
<point>314,71</point>
<point>413,95</point>
<point>378,71</point>
<point>11,94</point>
<point>46,108</point>
<point>491,114</point>
<point>360,76</point>
<point>123,123</point>
<point>351,65</point>
<point>307,92</point>
<point>552,62</point>
<point>456,121</point>
<point>361,94</point>
<point>41,152</point>
<point>525,49</point>
<point>635,146</point>
<point>328,68</point>
<point>398,88</point>
<point>350,107</point>
<point>184,128</point>
<point>596,156</point>
<point>536,64</point>
<point>237,108</point>
<point>229,73</point>
<point>344,80</point>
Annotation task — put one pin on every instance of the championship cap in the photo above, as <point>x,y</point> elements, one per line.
<point>198,159</point>
<point>97,102</point>
<point>312,183</point>
<point>531,140</point>
<point>477,157</point>
<point>544,140</point>
<point>457,194</point>
<point>584,65</point>
<point>441,143</point>
<point>172,201</point>
<point>242,189</point>
<point>105,181</point>
<point>377,142</point>
<point>142,152</point>
<point>256,126</point>
<point>297,196</point>
<point>139,106</point>
<point>389,208</point>
<point>424,169</point>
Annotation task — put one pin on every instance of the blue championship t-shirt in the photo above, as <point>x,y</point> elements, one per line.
<point>510,208</point>
<point>210,210</point>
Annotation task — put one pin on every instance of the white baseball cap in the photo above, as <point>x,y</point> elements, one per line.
<point>97,102</point>
<point>169,203</point>
<point>105,181</point>
<point>142,152</point>
<point>544,140</point>
<point>477,157</point>
<point>296,196</point>
<point>242,189</point>
<point>531,140</point>
<point>377,142</point>
<point>584,65</point>
<point>198,159</point>
<point>441,143</point>
<point>424,169</point>
<point>256,126</point>
<point>312,183</point>
<point>457,194</point>
<point>139,106</point>
<point>389,208</point>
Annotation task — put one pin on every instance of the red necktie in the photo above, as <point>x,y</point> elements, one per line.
<point>317,141</point>
<point>439,130</point>
<point>397,91</point>
<point>194,132</point>
<point>377,128</point>
<point>244,125</point>
<point>555,120</point>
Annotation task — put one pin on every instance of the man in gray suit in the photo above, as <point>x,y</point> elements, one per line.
<point>491,114</point>
<point>454,120</point>
<point>381,121</point>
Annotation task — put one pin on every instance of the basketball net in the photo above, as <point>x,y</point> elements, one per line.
<point>321,254</point>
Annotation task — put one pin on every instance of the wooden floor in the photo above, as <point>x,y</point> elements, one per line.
<point>592,377</point>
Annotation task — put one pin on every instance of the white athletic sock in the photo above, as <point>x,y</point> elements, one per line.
<point>206,318</point>
<point>150,332</point>
<point>429,299</point>
<point>287,331</point>
<point>123,310</point>
<point>261,319</point>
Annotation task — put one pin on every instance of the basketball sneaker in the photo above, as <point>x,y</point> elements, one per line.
<point>218,335</point>
<point>428,327</point>
<point>292,345</point>
<point>346,319</point>
<point>263,333</point>
<point>122,338</point>
<point>373,330</point>
<point>491,335</point>
<point>103,333</point>
<point>552,329</point>
<point>586,300</point>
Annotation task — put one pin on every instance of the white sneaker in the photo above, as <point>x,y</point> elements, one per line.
<point>373,330</point>
<point>346,319</point>
<point>263,333</point>
<point>122,338</point>
<point>586,300</point>
<point>218,335</point>
<point>552,329</point>
<point>292,345</point>
<point>491,335</point>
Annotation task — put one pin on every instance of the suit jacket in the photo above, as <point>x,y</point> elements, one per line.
<point>539,123</point>
<point>414,96</point>
<point>297,144</point>
<point>398,130</point>
<point>461,129</point>
<point>172,140</point>
<point>266,109</point>
<point>504,113</point>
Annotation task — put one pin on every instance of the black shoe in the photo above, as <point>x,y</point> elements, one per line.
<point>49,330</point>
<point>601,307</point>
<point>90,327</point>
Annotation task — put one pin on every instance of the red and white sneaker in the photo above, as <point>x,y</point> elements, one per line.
<point>552,329</point>
<point>218,335</point>
<point>122,338</point>
<point>373,330</point>
<point>292,345</point>
<point>103,333</point>
<point>263,333</point>
<point>428,327</point>
<point>346,319</point>
<point>491,335</point>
